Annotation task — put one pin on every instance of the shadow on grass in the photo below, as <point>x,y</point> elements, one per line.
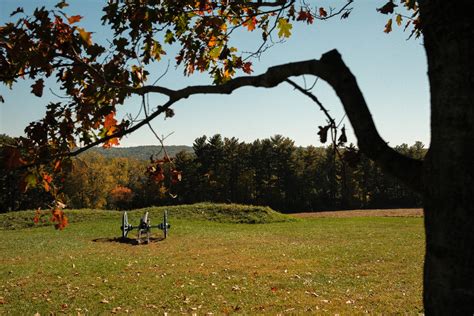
<point>130,241</point>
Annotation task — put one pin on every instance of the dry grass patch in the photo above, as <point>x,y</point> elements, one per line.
<point>399,212</point>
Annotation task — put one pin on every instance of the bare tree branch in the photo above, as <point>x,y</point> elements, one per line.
<point>314,98</point>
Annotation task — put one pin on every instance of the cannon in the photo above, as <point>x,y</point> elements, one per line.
<point>144,227</point>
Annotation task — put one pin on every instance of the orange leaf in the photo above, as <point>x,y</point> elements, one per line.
<point>110,125</point>
<point>74,19</point>
<point>37,216</point>
<point>111,142</point>
<point>212,41</point>
<point>110,120</point>
<point>46,186</point>
<point>47,178</point>
<point>388,26</point>
<point>251,23</point>
<point>60,218</point>
<point>57,165</point>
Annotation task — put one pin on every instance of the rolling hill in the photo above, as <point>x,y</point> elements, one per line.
<point>140,152</point>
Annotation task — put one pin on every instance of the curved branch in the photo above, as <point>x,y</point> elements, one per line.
<point>344,83</point>
<point>330,68</point>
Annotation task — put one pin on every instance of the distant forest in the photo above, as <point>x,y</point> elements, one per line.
<point>140,152</point>
<point>270,171</point>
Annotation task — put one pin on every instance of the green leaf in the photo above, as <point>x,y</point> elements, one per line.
<point>169,37</point>
<point>31,180</point>
<point>284,27</point>
<point>157,51</point>
<point>215,52</point>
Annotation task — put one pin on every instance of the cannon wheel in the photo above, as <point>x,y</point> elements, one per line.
<point>165,223</point>
<point>124,227</point>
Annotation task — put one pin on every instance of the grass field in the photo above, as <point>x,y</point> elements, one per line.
<point>211,263</point>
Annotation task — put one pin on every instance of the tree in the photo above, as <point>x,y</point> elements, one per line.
<point>89,181</point>
<point>120,198</point>
<point>98,79</point>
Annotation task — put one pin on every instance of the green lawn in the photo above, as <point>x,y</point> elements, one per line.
<point>334,265</point>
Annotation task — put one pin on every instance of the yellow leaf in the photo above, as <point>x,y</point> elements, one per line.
<point>399,20</point>
<point>223,27</point>
<point>111,130</point>
<point>85,36</point>
<point>163,189</point>
<point>235,21</point>
<point>284,28</point>
<point>215,52</point>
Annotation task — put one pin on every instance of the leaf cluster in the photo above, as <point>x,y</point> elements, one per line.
<point>408,13</point>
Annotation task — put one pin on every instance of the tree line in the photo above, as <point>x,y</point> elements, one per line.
<point>272,171</point>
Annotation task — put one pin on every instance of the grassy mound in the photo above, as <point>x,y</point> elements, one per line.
<point>222,213</point>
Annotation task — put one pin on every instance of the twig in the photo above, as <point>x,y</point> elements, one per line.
<point>312,97</point>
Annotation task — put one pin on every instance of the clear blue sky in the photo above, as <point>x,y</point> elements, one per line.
<point>390,70</point>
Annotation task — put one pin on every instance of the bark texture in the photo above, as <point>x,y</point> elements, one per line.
<point>449,165</point>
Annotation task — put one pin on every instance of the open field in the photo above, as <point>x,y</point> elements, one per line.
<point>332,265</point>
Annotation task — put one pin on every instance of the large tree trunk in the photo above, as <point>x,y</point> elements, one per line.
<point>449,165</point>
